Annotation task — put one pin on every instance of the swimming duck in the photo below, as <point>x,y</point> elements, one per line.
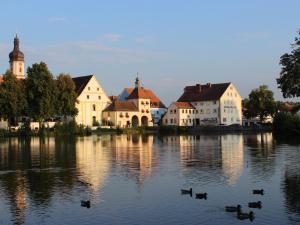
<point>245,216</point>
<point>201,195</point>
<point>258,192</point>
<point>187,192</point>
<point>86,204</point>
<point>233,208</point>
<point>254,204</point>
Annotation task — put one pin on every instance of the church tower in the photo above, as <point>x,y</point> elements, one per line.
<point>16,60</point>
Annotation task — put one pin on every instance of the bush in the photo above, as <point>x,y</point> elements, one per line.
<point>286,124</point>
<point>71,128</point>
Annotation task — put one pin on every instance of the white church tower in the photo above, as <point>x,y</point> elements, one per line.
<point>16,60</point>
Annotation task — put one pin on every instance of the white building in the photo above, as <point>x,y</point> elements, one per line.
<point>211,104</point>
<point>91,100</point>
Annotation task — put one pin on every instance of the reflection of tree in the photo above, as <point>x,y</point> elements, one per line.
<point>261,150</point>
<point>38,168</point>
<point>291,189</point>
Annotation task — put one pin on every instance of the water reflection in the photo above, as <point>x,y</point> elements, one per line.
<point>37,175</point>
<point>214,158</point>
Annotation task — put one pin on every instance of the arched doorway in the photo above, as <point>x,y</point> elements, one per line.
<point>135,121</point>
<point>144,121</point>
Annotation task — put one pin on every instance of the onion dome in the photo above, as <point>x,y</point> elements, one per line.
<point>16,54</point>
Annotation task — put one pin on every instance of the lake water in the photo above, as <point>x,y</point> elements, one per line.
<point>137,179</point>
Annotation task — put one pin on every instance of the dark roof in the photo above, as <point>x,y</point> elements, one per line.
<point>145,93</point>
<point>184,105</point>
<point>81,82</point>
<point>16,54</point>
<point>121,106</point>
<point>207,92</point>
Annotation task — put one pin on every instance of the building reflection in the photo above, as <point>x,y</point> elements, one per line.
<point>210,157</point>
<point>134,156</point>
<point>92,161</point>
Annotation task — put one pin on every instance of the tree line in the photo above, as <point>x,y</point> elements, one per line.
<point>39,97</point>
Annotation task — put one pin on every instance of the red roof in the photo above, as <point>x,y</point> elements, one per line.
<point>184,105</point>
<point>121,106</point>
<point>146,93</point>
<point>207,92</point>
<point>1,79</point>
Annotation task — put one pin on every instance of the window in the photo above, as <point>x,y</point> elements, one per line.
<point>157,112</point>
<point>224,119</point>
<point>88,97</point>
<point>174,120</point>
<point>166,120</point>
<point>94,107</point>
<point>186,111</point>
<point>89,88</point>
<point>182,111</point>
<point>171,111</point>
<point>224,110</point>
<point>215,102</point>
<point>20,70</point>
<point>190,120</point>
<point>98,89</point>
<point>174,110</point>
<point>201,103</point>
<point>99,97</point>
<point>171,121</point>
<point>197,111</point>
<point>190,112</point>
<point>201,111</point>
<point>215,110</point>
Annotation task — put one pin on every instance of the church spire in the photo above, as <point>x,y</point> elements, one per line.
<point>137,81</point>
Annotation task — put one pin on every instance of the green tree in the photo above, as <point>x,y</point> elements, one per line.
<point>260,103</point>
<point>289,79</point>
<point>40,92</point>
<point>12,98</point>
<point>65,96</point>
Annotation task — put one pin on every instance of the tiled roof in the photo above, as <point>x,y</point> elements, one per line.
<point>81,82</point>
<point>149,94</point>
<point>184,105</point>
<point>121,106</point>
<point>207,92</point>
<point>138,92</point>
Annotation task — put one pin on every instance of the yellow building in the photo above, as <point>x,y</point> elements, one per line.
<point>91,100</point>
<point>134,112</point>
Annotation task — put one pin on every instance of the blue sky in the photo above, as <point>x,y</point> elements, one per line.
<point>170,43</point>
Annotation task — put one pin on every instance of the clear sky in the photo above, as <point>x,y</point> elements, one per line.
<point>170,43</point>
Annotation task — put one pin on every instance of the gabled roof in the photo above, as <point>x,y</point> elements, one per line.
<point>81,82</point>
<point>207,92</point>
<point>146,93</point>
<point>138,92</point>
<point>121,106</point>
<point>184,105</point>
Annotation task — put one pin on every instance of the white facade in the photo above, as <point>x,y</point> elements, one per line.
<point>90,103</point>
<point>226,110</point>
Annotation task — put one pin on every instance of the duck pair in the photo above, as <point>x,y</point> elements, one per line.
<point>190,192</point>
<point>255,205</point>
<point>245,216</point>
<point>86,204</point>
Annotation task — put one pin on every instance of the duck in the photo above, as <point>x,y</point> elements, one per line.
<point>254,204</point>
<point>258,192</point>
<point>187,192</point>
<point>233,208</point>
<point>201,195</point>
<point>245,216</point>
<point>86,204</point>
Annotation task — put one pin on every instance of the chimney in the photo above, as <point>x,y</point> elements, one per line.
<point>198,87</point>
